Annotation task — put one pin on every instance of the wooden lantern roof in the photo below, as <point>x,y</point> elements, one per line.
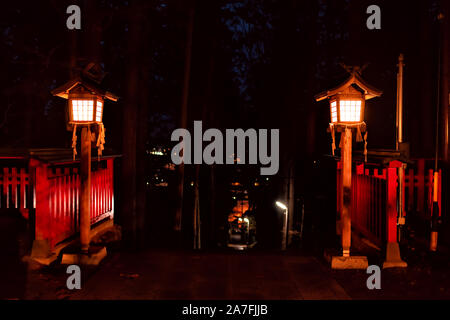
<point>354,83</point>
<point>88,81</point>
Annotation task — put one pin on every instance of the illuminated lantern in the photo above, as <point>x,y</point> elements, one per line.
<point>347,104</point>
<point>85,102</point>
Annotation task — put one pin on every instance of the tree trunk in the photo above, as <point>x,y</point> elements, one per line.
<point>444,108</point>
<point>197,220</point>
<point>183,114</point>
<point>130,129</point>
<point>93,32</point>
<point>141,209</point>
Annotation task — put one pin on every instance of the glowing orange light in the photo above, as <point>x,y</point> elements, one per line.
<point>241,207</point>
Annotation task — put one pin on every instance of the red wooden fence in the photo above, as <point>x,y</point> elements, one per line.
<point>372,191</point>
<point>54,195</point>
<point>14,186</point>
<point>368,203</point>
<point>419,189</point>
<point>375,198</point>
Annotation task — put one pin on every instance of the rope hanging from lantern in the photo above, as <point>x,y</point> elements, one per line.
<point>359,137</point>
<point>341,142</point>
<point>333,143</point>
<point>100,140</point>
<point>365,147</point>
<point>358,134</point>
<point>74,141</point>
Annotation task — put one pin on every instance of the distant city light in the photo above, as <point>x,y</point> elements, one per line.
<point>156,153</point>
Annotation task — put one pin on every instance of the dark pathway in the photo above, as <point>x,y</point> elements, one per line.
<point>237,275</point>
<point>227,275</point>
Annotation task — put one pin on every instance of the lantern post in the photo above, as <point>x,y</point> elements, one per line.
<point>346,221</point>
<point>347,105</point>
<point>85,110</point>
<point>85,189</point>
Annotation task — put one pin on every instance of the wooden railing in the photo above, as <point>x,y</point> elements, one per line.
<point>375,202</point>
<point>53,198</point>
<point>418,186</point>
<point>14,189</point>
<point>369,204</point>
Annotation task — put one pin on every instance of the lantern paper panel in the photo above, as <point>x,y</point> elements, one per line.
<point>350,110</point>
<point>334,112</point>
<point>82,110</point>
<point>99,110</point>
<point>346,111</point>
